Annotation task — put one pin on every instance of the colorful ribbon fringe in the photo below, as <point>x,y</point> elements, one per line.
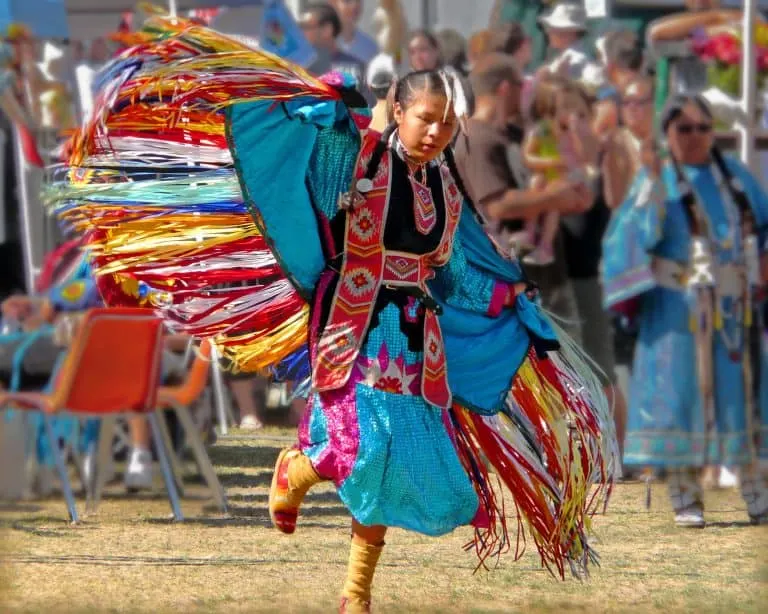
<point>151,184</point>
<point>545,448</point>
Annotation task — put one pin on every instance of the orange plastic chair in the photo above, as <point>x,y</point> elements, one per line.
<point>112,369</point>
<point>179,399</point>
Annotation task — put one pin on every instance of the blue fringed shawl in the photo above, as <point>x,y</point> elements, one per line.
<point>272,147</point>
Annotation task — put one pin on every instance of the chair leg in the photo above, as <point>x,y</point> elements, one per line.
<point>176,467</point>
<point>89,481</point>
<point>79,461</point>
<point>165,467</point>
<point>61,468</point>
<point>201,456</point>
<point>218,385</point>
<point>99,477</point>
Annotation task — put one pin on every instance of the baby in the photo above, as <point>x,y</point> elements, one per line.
<point>561,109</point>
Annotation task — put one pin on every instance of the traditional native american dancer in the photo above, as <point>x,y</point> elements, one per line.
<point>430,359</point>
<point>687,254</point>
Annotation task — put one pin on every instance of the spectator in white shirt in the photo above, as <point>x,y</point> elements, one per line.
<point>352,40</point>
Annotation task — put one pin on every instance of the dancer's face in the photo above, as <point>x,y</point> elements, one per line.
<point>425,126</point>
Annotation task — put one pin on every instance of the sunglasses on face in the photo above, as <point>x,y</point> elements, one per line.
<point>691,128</point>
<point>636,102</point>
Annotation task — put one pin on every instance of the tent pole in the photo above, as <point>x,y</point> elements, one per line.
<point>749,85</point>
<point>25,208</point>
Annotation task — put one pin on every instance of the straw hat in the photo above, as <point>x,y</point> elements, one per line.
<point>565,17</point>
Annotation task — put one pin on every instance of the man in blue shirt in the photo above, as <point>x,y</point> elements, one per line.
<point>322,28</point>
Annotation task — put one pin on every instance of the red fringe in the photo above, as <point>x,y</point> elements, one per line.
<point>536,502</point>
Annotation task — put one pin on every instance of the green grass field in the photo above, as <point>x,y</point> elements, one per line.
<point>132,558</point>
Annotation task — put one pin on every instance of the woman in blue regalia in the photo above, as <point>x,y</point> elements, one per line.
<point>686,255</point>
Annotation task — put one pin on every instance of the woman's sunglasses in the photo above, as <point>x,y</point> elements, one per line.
<point>690,128</point>
<point>636,102</point>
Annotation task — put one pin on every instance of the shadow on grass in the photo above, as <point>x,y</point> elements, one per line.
<point>159,495</point>
<point>319,497</point>
<point>734,524</point>
<point>62,527</point>
<point>238,518</point>
<point>238,479</point>
<point>22,508</point>
<point>244,456</point>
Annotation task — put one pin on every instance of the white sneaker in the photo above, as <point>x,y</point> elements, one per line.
<point>691,518</point>
<point>728,478</point>
<point>138,476</point>
<point>250,423</point>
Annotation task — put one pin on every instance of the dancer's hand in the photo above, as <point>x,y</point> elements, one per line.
<point>514,290</point>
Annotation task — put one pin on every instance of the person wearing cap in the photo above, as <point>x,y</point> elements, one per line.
<point>565,26</point>
<point>382,73</point>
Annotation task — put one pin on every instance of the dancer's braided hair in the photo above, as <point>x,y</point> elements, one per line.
<point>404,91</point>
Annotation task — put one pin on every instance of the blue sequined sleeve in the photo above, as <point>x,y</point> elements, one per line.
<point>635,231</point>
<point>466,287</point>
<point>757,197</point>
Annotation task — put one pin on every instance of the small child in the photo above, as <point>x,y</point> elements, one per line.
<point>561,108</point>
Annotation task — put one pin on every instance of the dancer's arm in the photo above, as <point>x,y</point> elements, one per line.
<point>464,286</point>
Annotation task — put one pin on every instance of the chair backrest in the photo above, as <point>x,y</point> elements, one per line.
<point>197,376</point>
<point>113,365</point>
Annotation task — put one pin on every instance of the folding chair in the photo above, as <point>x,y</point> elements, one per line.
<point>112,369</point>
<point>179,399</point>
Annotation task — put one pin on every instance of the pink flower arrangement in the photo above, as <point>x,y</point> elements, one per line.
<point>724,55</point>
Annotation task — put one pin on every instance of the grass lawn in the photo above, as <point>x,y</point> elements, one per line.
<point>131,558</point>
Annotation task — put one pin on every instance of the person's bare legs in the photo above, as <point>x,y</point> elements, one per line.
<point>245,391</point>
<point>138,474</point>
<point>544,253</point>
<point>297,409</point>
<point>366,548</point>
